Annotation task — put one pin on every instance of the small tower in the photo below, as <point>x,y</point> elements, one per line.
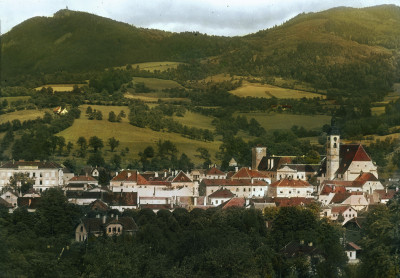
<point>257,153</point>
<point>332,151</point>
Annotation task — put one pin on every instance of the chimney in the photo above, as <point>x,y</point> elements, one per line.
<point>236,169</point>
<point>252,181</point>
<point>104,219</point>
<point>116,217</point>
<point>195,201</point>
<point>129,174</point>
<point>156,174</point>
<point>165,174</point>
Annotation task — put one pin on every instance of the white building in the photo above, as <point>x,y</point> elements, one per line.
<point>289,188</point>
<point>44,174</point>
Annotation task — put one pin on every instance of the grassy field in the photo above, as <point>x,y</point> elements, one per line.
<point>135,138</point>
<point>268,91</point>
<point>60,87</point>
<point>153,98</point>
<point>157,84</point>
<point>22,115</point>
<point>11,99</point>
<point>195,120</point>
<point>161,66</point>
<point>272,121</point>
<point>379,110</point>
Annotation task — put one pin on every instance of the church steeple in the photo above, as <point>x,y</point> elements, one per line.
<point>332,151</point>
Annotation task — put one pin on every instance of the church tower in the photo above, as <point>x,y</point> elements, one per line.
<point>257,154</point>
<point>332,151</point>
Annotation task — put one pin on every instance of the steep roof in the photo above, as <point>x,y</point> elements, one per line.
<point>227,182</point>
<point>340,197</point>
<point>38,164</point>
<point>326,189</point>
<point>349,153</point>
<point>386,195</point>
<point>246,173</point>
<point>181,177</point>
<point>215,172</point>
<point>356,200</point>
<point>4,203</point>
<point>350,246</point>
<point>222,193</point>
<point>290,183</point>
<point>275,162</point>
<point>363,178</point>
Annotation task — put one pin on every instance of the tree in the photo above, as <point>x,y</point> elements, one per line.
<point>89,110</point>
<point>116,161</point>
<point>112,117</point>
<point>20,182</point>
<point>96,159</point>
<point>113,143</point>
<point>99,115</point>
<point>96,143</point>
<point>61,144</point>
<point>82,146</point>
<point>70,145</point>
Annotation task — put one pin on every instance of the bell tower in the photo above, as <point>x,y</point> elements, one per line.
<point>332,151</point>
<point>258,153</point>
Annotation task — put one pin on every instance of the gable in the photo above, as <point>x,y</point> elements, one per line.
<point>181,177</point>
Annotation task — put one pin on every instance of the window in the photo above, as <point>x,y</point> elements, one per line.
<point>244,189</point>
<point>119,229</point>
<point>114,229</point>
<point>8,197</point>
<point>254,189</point>
<point>335,138</point>
<point>334,145</point>
<point>81,228</point>
<point>216,202</point>
<point>109,230</point>
<point>290,192</point>
<point>237,189</point>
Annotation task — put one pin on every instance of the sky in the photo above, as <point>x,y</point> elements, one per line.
<point>213,17</point>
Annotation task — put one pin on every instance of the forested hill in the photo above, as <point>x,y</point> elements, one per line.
<point>77,41</point>
<point>338,49</point>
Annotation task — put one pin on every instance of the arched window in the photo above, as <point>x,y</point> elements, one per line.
<point>334,145</point>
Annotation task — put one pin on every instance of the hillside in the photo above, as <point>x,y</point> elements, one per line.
<point>353,50</point>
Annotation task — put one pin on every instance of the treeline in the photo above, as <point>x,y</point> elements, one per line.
<point>142,116</point>
<point>200,243</point>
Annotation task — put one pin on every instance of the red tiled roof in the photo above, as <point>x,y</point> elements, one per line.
<point>130,176</point>
<point>386,195</point>
<point>340,197</point>
<point>364,177</point>
<point>291,202</point>
<point>339,209</point>
<point>181,177</point>
<point>83,178</point>
<point>215,171</point>
<point>290,183</point>
<point>222,193</point>
<point>227,182</point>
<point>330,189</point>
<point>349,153</point>
<point>246,173</point>
<point>352,245</point>
<point>234,202</point>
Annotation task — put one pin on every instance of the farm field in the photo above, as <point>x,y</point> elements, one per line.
<point>153,98</point>
<point>271,121</point>
<point>60,87</point>
<point>379,110</point>
<point>161,66</point>
<point>22,115</point>
<point>157,84</point>
<point>268,91</point>
<point>135,138</point>
<point>195,120</point>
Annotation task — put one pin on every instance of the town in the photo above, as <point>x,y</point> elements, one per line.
<point>344,186</point>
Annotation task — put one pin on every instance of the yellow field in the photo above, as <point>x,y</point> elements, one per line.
<point>135,138</point>
<point>60,87</point>
<point>22,115</point>
<point>268,91</point>
<point>161,66</point>
<point>221,77</point>
<point>272,121</point>
<point>379,110</point>
<point>157,84</point>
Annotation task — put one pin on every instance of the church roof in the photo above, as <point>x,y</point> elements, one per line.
<point>350,153</point>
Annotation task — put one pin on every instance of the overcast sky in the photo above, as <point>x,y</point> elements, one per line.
<point>214,17</point>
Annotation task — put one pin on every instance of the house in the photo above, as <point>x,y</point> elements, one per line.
<point>81,183</point>
<point>45,174</point>
<point>220,196</point>
<point>235,202</point>
<point>60,111</point>
<point>198,174</point>
<point>240,187</point>
<point>115,200</point>
<point>182,180</point>
<point>127,181</point>
<point>10,197</point>
<point>358,202</point>
<point>383,196</point>
<point>341,213</point>
<point>352,251</point>
<point>6,205</point>
<point>248,174</point>
<point>291,188</point>
<point>215,173</point>
<point>270,164</point>
<point>297,171</point>
<point>111,226</point>
<point>156,203</point>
